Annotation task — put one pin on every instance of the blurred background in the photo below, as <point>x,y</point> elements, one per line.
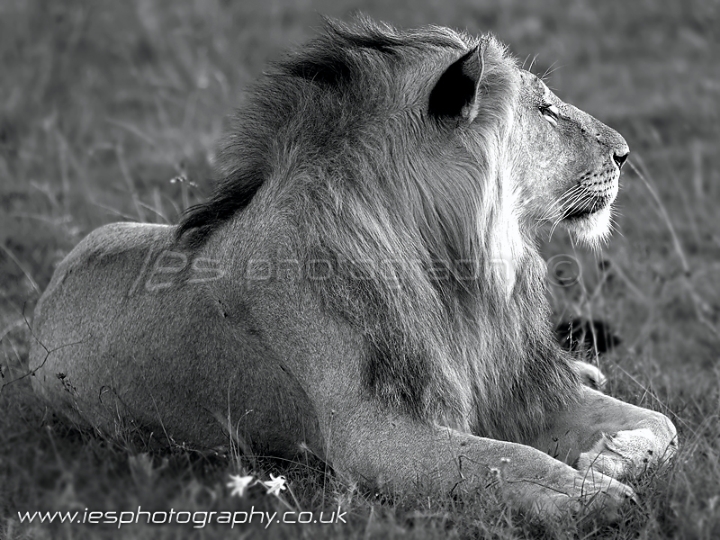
<point>105,106</point>
<point>111,111</point>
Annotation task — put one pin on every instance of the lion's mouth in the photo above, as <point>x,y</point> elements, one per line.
<point>595,192</point>
<point>586,207</point>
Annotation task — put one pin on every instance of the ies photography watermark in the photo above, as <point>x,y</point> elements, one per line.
<point>162,270</point>
<point>238,485</point>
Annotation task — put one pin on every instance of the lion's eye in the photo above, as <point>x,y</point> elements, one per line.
<point>550,113</point>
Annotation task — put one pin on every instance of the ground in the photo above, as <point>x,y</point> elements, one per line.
<point>110,111</point>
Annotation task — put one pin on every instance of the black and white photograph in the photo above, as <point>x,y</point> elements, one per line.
<point>359,270</point>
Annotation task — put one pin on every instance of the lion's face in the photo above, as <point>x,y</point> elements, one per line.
<point>568,162</point>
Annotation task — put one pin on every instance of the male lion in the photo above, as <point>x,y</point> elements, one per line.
<point>364,283</point>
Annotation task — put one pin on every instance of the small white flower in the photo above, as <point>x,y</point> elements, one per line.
<point>275,485</point>
<point>238,484</point>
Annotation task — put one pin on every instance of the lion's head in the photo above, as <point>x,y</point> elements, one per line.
<point>421,165</point>
<point>568,162</point>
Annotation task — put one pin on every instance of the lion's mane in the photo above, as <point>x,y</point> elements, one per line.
<point>416,220</point>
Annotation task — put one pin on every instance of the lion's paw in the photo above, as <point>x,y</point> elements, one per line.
<point>560,491</point>
<point>629,453</point>
<point>598,493</point>
<point>578,493</point>
<point>590,375</point>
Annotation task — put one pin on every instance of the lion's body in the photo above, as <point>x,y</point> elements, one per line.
<point>142,375</point>
<point>364,282</point>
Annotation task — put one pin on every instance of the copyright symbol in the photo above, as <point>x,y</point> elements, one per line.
<point>563,270</point>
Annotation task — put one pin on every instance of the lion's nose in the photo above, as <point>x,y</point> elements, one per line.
<point>620,159</point>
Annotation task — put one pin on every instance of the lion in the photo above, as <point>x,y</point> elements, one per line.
<point>364,284</point>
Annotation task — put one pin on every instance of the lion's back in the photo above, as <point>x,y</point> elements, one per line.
<point>105,263</point>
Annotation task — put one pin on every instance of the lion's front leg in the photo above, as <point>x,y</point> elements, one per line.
<point>610,436</point>
<point>400,455</point>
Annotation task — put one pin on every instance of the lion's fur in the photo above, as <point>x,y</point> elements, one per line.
<point>366,187</point>
<point>387,180</point>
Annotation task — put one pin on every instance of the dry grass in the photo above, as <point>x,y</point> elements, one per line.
<point>103,104</point>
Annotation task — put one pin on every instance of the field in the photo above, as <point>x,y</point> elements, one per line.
<point>111,110</point>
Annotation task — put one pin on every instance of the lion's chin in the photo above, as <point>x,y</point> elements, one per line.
<point>591,229</point>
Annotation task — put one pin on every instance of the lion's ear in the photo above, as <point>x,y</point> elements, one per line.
<point>456,93</point>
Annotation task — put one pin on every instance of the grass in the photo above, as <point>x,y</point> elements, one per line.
<point>103,104</point>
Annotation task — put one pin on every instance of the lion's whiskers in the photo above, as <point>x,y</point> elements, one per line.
<point>560,207</point>
<point>549,71</point>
